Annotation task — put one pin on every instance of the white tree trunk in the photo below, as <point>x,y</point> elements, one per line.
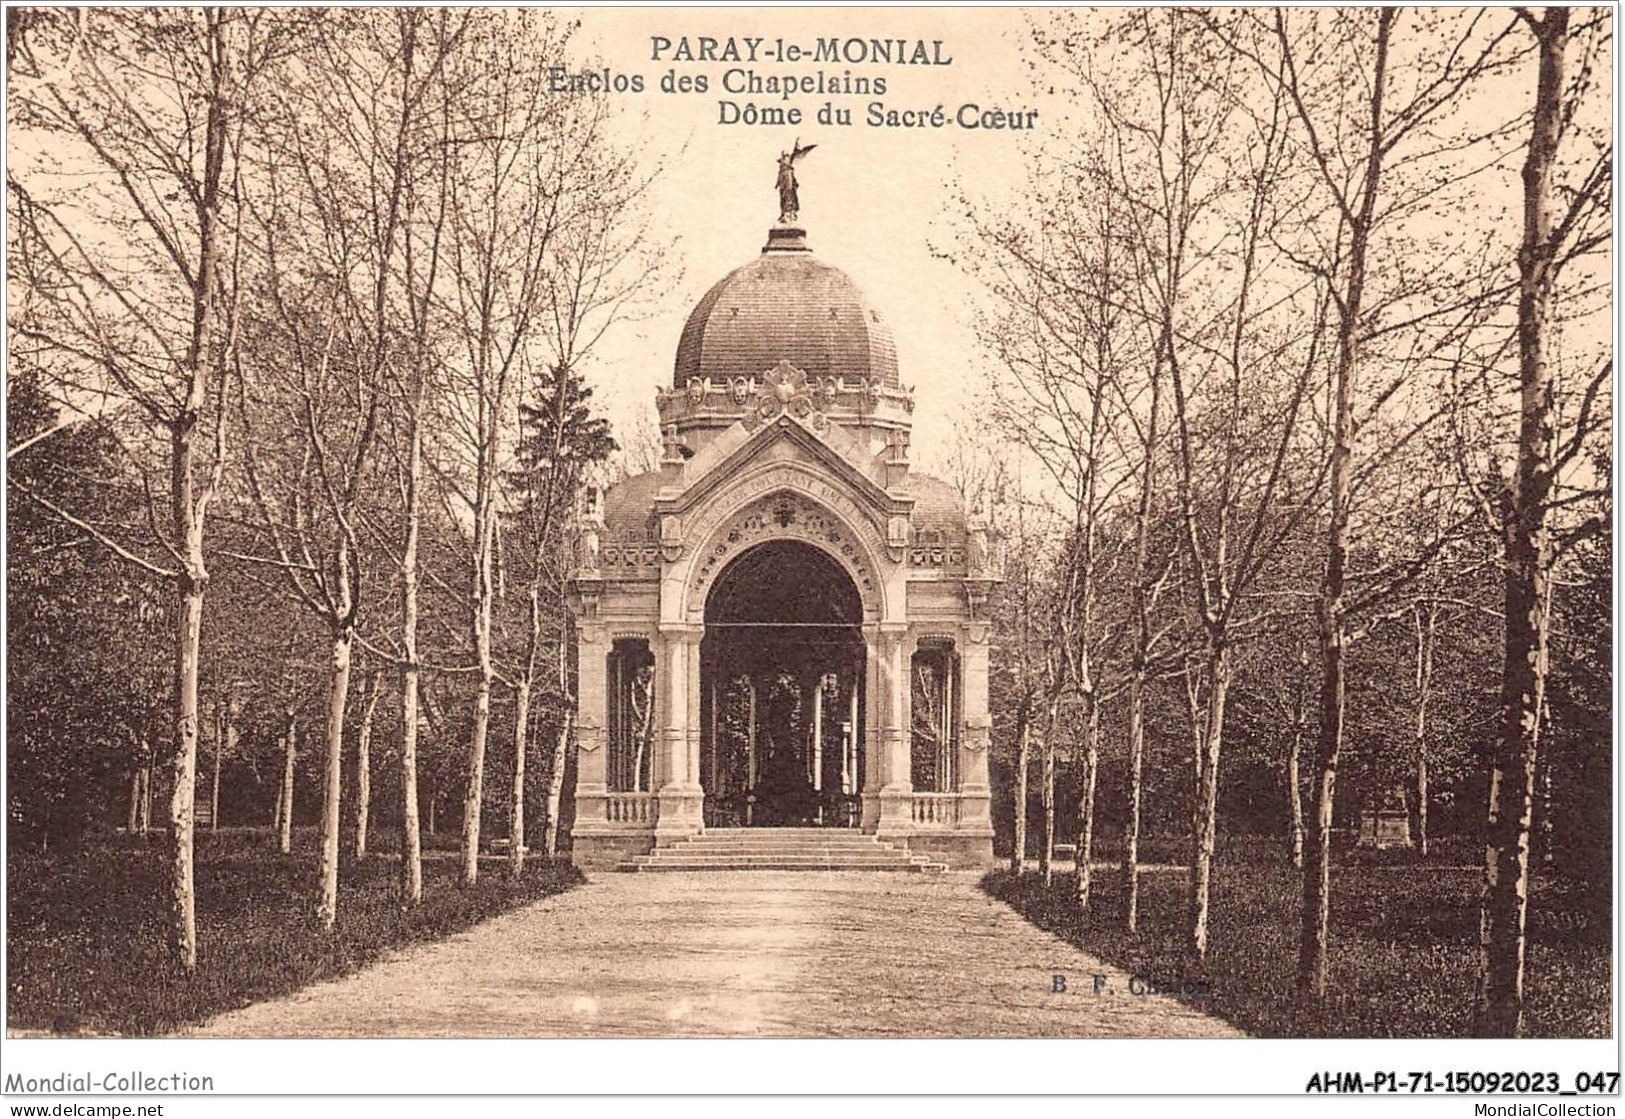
<point>1294,758</point>
<point>1314,940</point>
<point>516,818</point>
<point>1525,511</point>
<point>290,741</point>
<point>146,797</point>
<point>183,769</point>
<point>1046,855</point>
<point>480,633</point>
<point>276,807</point>
<point>363,764</point>
<point>1084,852</point>
<point>411,869</point>
<point>1207,800</point>
<point>555,787</point>
<point>474,792</point>
<point>222,721</point>
<point>332,776</point>
<point>1426,622</point>
<point>1024,747</point>
<point>135,801</point>
<point>1136,791</point>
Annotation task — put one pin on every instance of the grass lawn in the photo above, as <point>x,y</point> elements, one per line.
<point>85,931</point>
<point>1404,955</point>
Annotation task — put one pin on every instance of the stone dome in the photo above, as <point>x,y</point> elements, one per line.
<point>786,305</point>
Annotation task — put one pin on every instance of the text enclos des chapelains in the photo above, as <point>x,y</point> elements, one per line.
<point>761,80</point>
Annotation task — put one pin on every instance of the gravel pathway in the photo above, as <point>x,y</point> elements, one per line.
<point>736,954</point>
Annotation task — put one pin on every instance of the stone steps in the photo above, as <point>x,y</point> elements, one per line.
<point>672,866</point>
<point>831,832</point>
<point>780,845</point>
<point>782,849</point>
<point>787,852</point>
<point>749,857</point>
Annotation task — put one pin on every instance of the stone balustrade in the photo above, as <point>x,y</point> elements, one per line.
<point>935,810</point>
<point>630,808</point>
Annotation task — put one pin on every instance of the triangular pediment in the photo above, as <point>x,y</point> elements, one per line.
<point>738,450</point>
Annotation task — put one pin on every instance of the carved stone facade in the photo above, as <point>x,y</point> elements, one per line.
<point>784,485</point>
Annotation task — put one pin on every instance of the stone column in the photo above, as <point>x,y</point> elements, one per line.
<point>600,839</point>
<point>897,792</point>
<point>696,710</point>
<point>592,711</point>
<point>680,795</point>
<point>911,646</point>
<point>872,776</point>
<point>674,716</point>
<point>975,733</point>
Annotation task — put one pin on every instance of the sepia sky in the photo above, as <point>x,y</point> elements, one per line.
<point>873,199</point>
<point>876,201</point>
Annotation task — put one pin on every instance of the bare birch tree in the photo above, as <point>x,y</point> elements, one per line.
<point>1384,153</point>
<point>1551,236</point>
<point>1059,333</point>
<point>1240,356</point>
<point>284,802</point>
<point>600,263</point>
<point>131,224</point>
<point>363,762</point>
<point>517,149</point>
<point>331,207</point>
<point>415,379</point>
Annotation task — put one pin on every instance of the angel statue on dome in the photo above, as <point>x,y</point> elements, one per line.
<point>789,198</point>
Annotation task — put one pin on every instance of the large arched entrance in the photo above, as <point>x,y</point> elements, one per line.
<point>782,703</point>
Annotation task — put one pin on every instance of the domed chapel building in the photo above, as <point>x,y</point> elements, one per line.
<point>785,626</point>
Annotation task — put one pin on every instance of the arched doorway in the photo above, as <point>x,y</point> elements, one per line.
<point>782,703</point>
